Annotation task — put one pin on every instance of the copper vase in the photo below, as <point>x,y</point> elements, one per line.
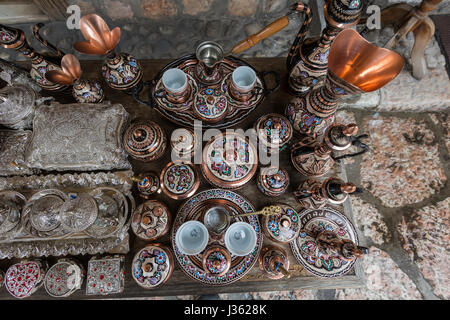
<point>12,38</point>
<point>121,71</point>
<point>307,62</point>
<point>354,66</point>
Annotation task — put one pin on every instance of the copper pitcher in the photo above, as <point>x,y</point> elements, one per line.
<point>314,159</point>
<point>331,245</point>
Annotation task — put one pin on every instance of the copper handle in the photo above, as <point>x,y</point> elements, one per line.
<point>429,5</point>
<point>285,273</point>
<point>266,32</point>
<point>136,179</point>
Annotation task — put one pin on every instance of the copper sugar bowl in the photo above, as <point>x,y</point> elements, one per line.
<point>216,260</point>
<point>145,141</point>
<point>316,194</point>
<point>314,159</point>
<point>274,132</point>
<point>179,179</point>
<point>354,66</point>
<point>274,262</point>
<point>272,181</point>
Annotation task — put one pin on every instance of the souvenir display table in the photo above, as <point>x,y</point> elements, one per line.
<point>179,283</point>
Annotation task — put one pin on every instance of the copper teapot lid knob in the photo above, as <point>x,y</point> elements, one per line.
<point>181,138</point>
<point>138,133</point>
<point>277,126</point>
<point>348,187</point>
<point>350,129</point>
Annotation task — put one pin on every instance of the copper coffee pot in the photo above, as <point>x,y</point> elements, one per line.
<point>84,91</point>
<point>315,194</point>
<point>354,66</point>
<point>13,38</point>
<point>121,71</point>
<point>330,245</point>
<point>314,159</point>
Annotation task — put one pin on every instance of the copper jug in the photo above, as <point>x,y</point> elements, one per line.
<point>307,62</point>
<point>314,159</point>
<point>316,194</point>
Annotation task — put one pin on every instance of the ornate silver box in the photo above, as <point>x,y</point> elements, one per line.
<point>78,137</point>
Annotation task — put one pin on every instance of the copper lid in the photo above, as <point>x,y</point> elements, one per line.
<point>273,181</point>
<point>152,266</point>
<point>24,278</point>
<point>343,13</point>
<point>229,161</point>
<point>179,179</point>
<point>283,227</point>
<point>151,220</point>
<point>339,137</point>
<point>216,261</point>
<point>147,183</point>
<point>144,141</point>
<point>211,105</point>
<point>183,142</point>
<point>269,257</point>
<point>64,278</point>
<point>273,130</point>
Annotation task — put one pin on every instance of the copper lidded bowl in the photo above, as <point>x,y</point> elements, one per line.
<point>229,160</point>
<point>145,141</point>
<point>183,143</point>
<point>274,132</point>
<point>272,181</point>
<point>151,220</point>
<point>179,179</point>
<point>152,266</point>
<point>216,260</point>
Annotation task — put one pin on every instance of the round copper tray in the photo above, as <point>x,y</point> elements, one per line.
<point>304,247</point>
<point>187,117</point>
<point>193,209</point>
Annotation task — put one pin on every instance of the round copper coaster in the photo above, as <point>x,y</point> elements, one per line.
<point>179,179</point>
<point>152,266</point>
<point>283,227</point>
<point>151,220</point>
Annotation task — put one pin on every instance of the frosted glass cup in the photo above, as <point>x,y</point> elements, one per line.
<point>192,238</point>
<point>176,86</point>
<point>240,238</point>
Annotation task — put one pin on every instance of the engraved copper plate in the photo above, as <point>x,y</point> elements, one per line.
<point>313,221</point>
<point>193,209</point>
<point>187,117</point>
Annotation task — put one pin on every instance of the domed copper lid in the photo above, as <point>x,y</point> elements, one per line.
<point>179,179</point>
<point>273,181</point>
<point>229,160</point>
<point>145,141</point>
<point>183,142</point>
<point>216,260</point>
<point>151,220</point>
<point>273,130</point>
<point>283,227</point>
<point>152,266</point>
<point>147,184</point>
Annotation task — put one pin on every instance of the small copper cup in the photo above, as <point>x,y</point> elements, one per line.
<point>176,86</point>
<point>242,84</point>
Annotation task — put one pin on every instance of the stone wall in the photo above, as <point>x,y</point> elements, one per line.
<point>172,28</point>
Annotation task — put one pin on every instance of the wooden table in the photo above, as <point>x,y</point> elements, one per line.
<point>180,283</point>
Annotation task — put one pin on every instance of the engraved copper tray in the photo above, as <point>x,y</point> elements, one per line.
<point>193,209</point>
<point>19,244</point>
<point>184,115</point>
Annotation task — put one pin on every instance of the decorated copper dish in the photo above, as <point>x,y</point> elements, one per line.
<point>283,227</point>
<point>230,160</point>
<point>151,220</point>
<point>186,117</point>
<point>274,132</point>
<point>305,250</point>
<point>179,179</point>
<point>193,209</point>
<point>152,266</point>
